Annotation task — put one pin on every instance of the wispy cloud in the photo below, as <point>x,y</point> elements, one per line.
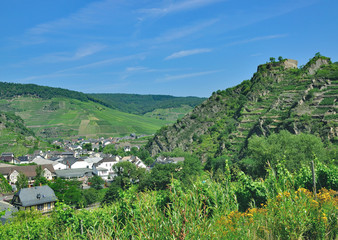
<point>184,76</point>
<point>44,76</point>
<point>105,62</point>
<point>186,53</point>
<point>179,33</point>
<point>92,14</point>
<point>57,57</point>
<point>178,7</point>
<point>255,39</point>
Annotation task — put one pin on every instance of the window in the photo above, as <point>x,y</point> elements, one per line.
<point>49,206</point>
<point>40,207</point>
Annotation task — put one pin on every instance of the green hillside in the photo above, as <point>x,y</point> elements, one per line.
<point>14,136</point>
<point>65,117</point>
<point>278,97</point>
<point>142,104</point>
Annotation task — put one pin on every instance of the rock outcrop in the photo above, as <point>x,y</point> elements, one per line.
<point>279,96</point>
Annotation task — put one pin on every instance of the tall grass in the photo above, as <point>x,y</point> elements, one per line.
<point>205,209</point>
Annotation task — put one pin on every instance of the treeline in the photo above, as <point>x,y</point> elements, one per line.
<point>10,90</point>
<point>141,104</point>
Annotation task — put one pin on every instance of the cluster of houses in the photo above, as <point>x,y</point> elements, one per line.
<point>66,165</point>
<point>76,145</point>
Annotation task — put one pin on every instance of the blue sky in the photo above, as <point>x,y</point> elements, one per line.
<point>180,48</point>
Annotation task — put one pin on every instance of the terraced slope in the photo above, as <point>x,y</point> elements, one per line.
<point>279,96</point>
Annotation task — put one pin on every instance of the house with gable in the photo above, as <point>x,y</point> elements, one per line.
<point>80,163</point>
<point>12,172</point>
<point>104,168</point>
<point>135,160</point>
<point>7,157</point>
<point>41,198</point>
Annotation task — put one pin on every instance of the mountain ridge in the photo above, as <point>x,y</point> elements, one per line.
<point>278,96</point>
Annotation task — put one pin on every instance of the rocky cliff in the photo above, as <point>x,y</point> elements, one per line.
<point>278,96</point>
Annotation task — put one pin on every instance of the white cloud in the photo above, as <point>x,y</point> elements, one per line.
<point>255,39</point>
<point>88,50</point>
<point>178,7</point>
<point>184,76</point>
<point>186,53</point>
<point>178,33</point>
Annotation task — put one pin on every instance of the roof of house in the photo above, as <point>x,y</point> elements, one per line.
<point>36,195</point>
<point>69,161</point>
<point>72,173</point>
<point>29,170</point>
<point>105,159</point>
<point>40,161</point>
<point>7,154</point>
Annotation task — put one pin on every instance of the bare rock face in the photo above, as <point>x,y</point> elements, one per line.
<point>290,63</point>
<point>317,64</point>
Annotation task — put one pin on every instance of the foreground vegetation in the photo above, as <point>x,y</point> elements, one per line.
<point>227,206</point>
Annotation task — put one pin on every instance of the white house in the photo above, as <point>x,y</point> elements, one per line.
<point>135,160</point>
<point>104,169</point>
<point>58,165</point>
<point>80,164</point>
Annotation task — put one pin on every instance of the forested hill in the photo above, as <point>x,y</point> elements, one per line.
<point>278,97</point>
<point>141,104</point>
<point>11,90</point>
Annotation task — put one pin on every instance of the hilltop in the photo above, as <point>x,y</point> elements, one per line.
<point>60,113</point>
<point>142,104</point>
<point>278,97</point>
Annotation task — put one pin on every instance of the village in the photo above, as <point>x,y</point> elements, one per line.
<point>81,160</point>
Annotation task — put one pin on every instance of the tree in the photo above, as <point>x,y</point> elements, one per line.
<point>143,154</point>
<point>22,181</point>
<point>97,182</point>
<point>110,149</point>
<point>192,166</point>
<point>272,59</point>
<point>87,146</point>
<point>280,58</point>
<point>295,150</point>
<point>126,174</point>
<point>39,178</point>
<point>4,185</point>
<point>112,194</point>
<point>161,175</point>
<point>90,195</point>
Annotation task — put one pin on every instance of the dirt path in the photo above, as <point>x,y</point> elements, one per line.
<point>83,126</point>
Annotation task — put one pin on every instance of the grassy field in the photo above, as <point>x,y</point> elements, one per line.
<point>63,117</point>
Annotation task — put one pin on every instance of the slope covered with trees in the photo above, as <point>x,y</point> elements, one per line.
<point>15,136</point>
<point>278,97</point>
<point>141,104</point>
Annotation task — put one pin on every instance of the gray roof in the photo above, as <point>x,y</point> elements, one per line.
<point>69,161</point>
<point>35,195</point>
<point>73,173</point>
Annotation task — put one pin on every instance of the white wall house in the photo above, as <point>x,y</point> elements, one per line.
<point>104,168</point>
<point>80,164</point>
<point>59,166</point>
